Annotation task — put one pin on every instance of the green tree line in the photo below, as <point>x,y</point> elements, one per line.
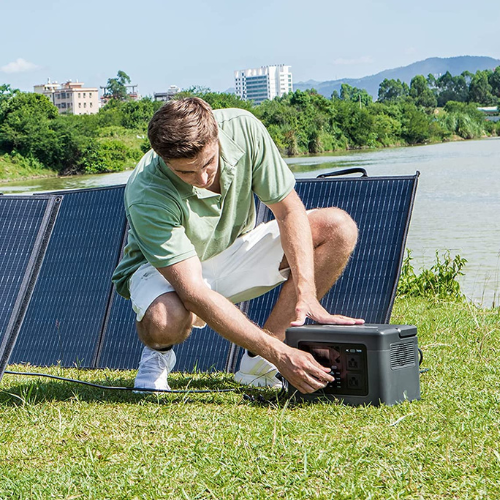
<point>482,88</point>
<point>302,122</point>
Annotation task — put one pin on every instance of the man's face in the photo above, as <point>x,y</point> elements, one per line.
<point>200,171</point>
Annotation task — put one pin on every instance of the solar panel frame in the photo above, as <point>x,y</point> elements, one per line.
<point>31,243</point>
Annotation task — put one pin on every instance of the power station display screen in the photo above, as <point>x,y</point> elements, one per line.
<point>347,363</point>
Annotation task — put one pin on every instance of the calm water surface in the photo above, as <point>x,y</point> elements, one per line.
<point>457,206</point>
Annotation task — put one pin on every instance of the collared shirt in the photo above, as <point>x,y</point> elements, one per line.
<point>171,221</point>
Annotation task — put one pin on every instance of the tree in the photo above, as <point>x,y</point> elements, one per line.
<point>494,81</point>
<point>421,93</point>
<point>431,81</point>
<point>26,127</point>
<point>452,88</point>
<point>136,114</point>
<point>386,123</point>
<point>116,88</point>
<point>392,90</point>
<point>356,124</point>
<point>353,94</point>
<point>480,89</point>
<point>6,92</point>
<point>415,125</point>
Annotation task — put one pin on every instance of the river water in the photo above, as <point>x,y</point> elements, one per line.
<point>457,206</point>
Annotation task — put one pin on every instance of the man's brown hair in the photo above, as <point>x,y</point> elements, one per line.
<point>182,128</point>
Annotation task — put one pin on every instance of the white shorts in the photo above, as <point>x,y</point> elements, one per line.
<point>245,270</point>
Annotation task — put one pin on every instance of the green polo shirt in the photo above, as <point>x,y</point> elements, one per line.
<point>171,221</point>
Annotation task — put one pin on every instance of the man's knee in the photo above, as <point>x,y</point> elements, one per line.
<point>336,226</point>
<point>166,322</point>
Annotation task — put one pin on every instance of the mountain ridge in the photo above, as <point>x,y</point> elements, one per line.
<point>432,65</point>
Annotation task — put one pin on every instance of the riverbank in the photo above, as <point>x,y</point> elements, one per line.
<point>109,444</point>
<point>13,170</point>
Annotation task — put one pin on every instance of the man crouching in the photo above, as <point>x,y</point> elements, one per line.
<point>193,251</point>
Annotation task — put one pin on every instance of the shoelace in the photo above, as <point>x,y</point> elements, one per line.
<point>163,359</point>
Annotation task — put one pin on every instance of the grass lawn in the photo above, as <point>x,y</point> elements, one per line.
<point>61,440</point>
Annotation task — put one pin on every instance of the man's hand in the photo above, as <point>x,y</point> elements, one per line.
<point>303,371</point>
<point>311,308</point>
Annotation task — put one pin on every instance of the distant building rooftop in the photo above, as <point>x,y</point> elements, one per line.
<point>70,97</point>
<point>169,94</point>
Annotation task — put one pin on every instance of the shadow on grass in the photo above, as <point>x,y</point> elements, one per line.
<point>219,388</point>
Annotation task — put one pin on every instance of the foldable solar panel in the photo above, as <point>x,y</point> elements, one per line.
<point>65,317</point>
<point>26,223</point>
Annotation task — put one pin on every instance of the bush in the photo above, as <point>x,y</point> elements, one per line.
<point>439,282</point>
<point>110,156</point>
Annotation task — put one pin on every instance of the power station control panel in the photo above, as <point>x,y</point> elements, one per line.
<point>347,362</point>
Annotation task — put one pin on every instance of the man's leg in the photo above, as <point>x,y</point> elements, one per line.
<point>166,323</point>
<point>334,236</point>
<point>162,321</point>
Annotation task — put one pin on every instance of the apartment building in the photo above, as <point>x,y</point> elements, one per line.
<point>168,95</point>
<point>71,97</point>
<point>266,82</point>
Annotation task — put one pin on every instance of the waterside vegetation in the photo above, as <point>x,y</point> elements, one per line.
<point>36,140</point>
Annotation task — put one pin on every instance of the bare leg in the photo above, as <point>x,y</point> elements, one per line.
<point>166,322</point>
<point>334,236</point>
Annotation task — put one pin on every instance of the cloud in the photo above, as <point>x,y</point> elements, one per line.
<point>19,66</point>
<point>352,62</point>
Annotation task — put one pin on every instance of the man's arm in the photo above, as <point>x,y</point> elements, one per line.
<point>297,242</point>
<point>298,367</point>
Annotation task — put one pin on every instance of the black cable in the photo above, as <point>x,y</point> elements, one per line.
<point>123,388</point>
<point>421,358</point>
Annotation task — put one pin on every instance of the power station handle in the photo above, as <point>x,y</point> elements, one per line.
<point>345,171</point>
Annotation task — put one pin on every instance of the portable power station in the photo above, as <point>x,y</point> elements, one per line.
<point>372,364</point>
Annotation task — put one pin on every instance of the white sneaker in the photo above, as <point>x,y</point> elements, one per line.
<point>258,372</point>
<point>154,368</point>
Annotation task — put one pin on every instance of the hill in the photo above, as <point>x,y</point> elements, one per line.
<point>434,65</point>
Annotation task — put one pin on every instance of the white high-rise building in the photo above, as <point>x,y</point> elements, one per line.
<point>266,82</point>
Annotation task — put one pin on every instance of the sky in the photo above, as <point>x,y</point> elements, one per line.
<point>194,42</point>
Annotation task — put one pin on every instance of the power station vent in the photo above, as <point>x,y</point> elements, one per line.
<point>402,355</point>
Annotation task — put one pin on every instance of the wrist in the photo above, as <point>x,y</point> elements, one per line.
<point>273,350</point>
<point>305,292</point>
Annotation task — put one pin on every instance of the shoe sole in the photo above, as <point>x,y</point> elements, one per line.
<point>256,381</point>
<point>147,390</point>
